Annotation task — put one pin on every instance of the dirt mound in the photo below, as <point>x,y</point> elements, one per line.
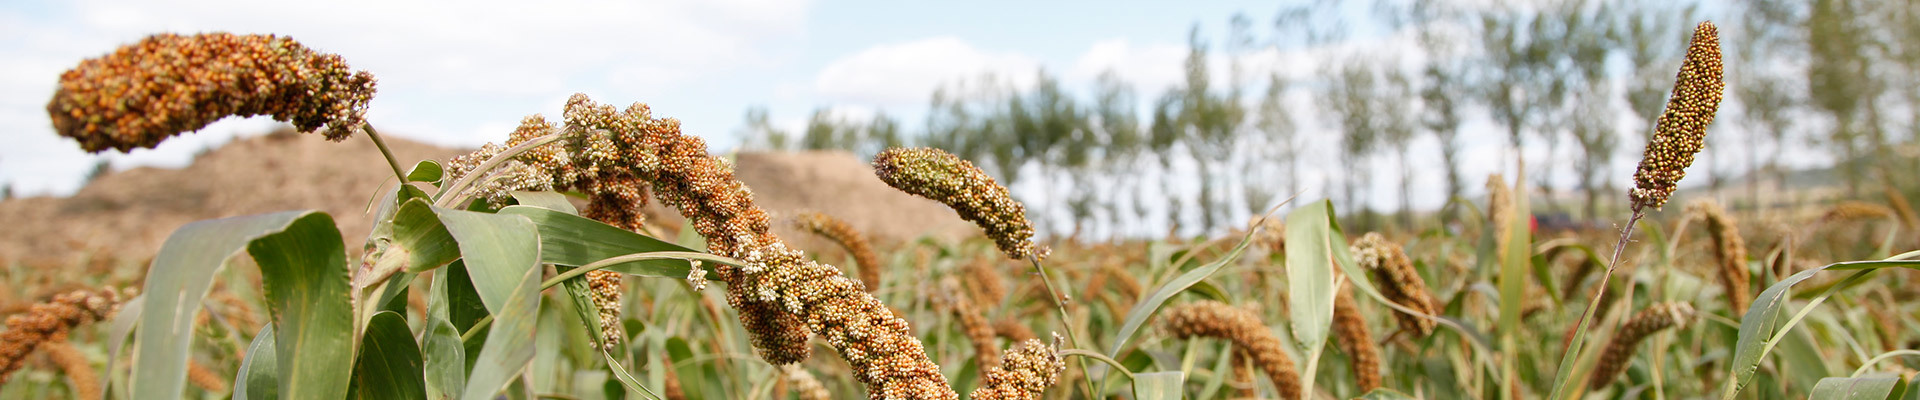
<point>128,214</point>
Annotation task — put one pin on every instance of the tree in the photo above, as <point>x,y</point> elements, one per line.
<point>1350,93</point>
<point>1397,129</point>
<point>1209,123</point>
<point>1278,126</point>
<point>760,132</point>
<point>1840,84</point>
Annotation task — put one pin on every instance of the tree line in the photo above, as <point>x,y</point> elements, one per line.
<point>1822,80</point>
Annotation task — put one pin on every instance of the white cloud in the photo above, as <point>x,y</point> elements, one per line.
<point>904,74</point>
<point>1152,68</point>
<point>451,74</point>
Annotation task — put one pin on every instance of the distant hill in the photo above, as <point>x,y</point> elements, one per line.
<point>128,214</point>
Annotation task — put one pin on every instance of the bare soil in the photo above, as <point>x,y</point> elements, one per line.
<point>126,215</point>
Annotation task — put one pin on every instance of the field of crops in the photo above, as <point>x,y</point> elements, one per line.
<point>527,270</point>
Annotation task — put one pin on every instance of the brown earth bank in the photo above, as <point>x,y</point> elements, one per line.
<point>127,215</point>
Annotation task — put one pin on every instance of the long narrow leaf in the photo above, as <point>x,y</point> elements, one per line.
<point>258,378</point>
<point>184,269</point>
<point>1761,329</point>
<point>510,342</point>
<point>572,240</point>
<point>1314,249</point>
<point>304,269</point>
<point>389,365</point>
<point>497,250</point>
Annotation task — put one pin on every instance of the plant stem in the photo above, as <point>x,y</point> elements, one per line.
<point>1579,329</point>
<point>1066,320</point>
<point>384,151</point>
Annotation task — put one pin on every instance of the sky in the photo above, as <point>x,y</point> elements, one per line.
<point>464,75</point>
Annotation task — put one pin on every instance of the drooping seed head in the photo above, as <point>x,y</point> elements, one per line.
<point>1212,319</point>
<point>1645,323</point>
<point>51,321</point>
<point>783,298</point>
<point>1730,249</point>
<point>1398,281</point>
<point>167,84</point>
<point>941,176</point>
<point>849,239</point>
<point>1682,129</point>
<point>1025,373</point>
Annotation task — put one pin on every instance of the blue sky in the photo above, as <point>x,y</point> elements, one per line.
<point>464,75</point>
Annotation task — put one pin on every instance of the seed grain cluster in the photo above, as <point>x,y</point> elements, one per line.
<point>782,296</point>
<point>941,176</point>
<point>1682,129</point>
<point>167,84</point>
<point>1025,373</point>
<point>1645,323</point>
<point>1252,339</point>
<point>1399,282</point>
<point>843,234</point>
<point>50,321</point>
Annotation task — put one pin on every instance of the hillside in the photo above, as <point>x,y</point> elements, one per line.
<point>126,215</point>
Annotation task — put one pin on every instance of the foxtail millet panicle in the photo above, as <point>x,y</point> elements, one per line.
<point>1854,210</point>
<point>972,323</point>
<point>849,239</point>
<point>51,320</point>
<point>782,296</point>
<point>805,385</point>
<point>938,175</point>
<point>73,363</point>
<point>1393,271</point>
<point>1218,320</point>
<point>1619,352</point>
<point>1681,130</point>
<point>1355,340</point>
<point>167,84</point>
<point>1729,249</point>
<point>1026,372</point>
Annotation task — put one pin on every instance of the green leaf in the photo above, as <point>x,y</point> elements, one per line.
<point>258,379</point>
<point>184,269</point>
<point>117,333</point>
<point>425,171</point>
<point>497,249</point>
<point>389,365</point>
<point>1163,385</point>
<point>419,236</point>
<point>442,354</point>
<point>1761,329</point>
<point>581,294</point>
<point>1883,386</point>
<point>572,240</point>
<point>548,200</point>
<point>1315,247</point>
<point>1137,316</point>
<point>305,272</point>
<point>509,347</point>
<point>1513,280</point>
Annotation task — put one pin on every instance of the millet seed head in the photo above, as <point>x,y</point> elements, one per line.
<point>849,239</point>
<point>1729,249</point>
<point>783,298</point>
<point>168,84</point>
<point>1212,319</point>
<point>1399,282</point>
<point>43,322</point>
<point>941,176</point>
<point>1682,129</point>
<point>1025,373</point>
<point>1645,323</point>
